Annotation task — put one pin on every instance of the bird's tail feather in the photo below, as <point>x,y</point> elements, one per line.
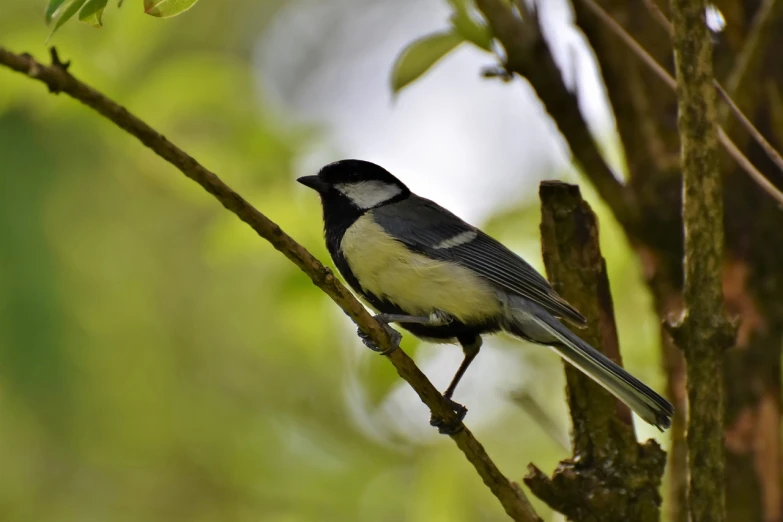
<point>650,406</point>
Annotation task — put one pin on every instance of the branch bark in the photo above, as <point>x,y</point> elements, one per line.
<point>752,275</point>
<point>528,55</point>
<point>725,140</point>
<point>731,106</point>
<point>610,477</point>
<point>704,333</point>
<point>58,79</point>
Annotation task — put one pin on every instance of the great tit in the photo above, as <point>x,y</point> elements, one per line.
<point>420,266</point>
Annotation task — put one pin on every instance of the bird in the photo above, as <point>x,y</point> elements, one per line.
<point>443,280</point>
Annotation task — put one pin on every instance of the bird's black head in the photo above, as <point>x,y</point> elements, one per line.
<point>355,186</point>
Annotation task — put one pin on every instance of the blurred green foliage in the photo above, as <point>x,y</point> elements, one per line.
<point>58,12</point>
<point>159,362</point>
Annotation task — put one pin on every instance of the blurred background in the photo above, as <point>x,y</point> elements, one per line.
<point>160,362</point>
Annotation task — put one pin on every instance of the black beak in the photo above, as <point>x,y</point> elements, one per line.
<point>314,182</point>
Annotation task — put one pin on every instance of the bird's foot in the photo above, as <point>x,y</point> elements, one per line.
<point>395,336</point>
<point>450,428</point>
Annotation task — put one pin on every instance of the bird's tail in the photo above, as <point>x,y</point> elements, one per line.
<point>533,323</point>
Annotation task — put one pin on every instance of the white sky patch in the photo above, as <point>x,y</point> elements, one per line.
<point>715,20</point>
<point>472,145</point>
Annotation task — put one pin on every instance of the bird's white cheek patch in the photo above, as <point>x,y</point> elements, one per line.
<point>367,194</point>
<point>459,239</point>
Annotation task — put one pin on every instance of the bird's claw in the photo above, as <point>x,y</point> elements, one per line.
<point>395,336</point>
<point>450,428</point>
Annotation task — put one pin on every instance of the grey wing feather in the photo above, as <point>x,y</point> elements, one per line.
<point>422,225</point>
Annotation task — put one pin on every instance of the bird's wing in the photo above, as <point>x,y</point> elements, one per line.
<point>426,227</point>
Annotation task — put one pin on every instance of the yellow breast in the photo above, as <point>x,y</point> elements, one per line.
<point>416,283</point>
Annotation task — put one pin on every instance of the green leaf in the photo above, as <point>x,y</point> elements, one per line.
<point>466,24</point>
<point>471,30</point>
<point>119,3</point>
<point>420,55</point>
<point>65,13</point>
<point>459,5</point>
<point>167,8</point>
<point>51,9</point>
<point>92,12</point>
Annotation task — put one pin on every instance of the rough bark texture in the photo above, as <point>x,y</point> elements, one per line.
<point>610,477</point>
<point>753,276</point>
<point>704,332</point>
<point>747,62</point>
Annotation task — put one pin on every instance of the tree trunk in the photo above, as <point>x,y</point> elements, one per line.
<point>610,477</point>
<point>747,62</point>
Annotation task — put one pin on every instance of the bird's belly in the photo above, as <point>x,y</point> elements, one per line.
<point>416,283</point>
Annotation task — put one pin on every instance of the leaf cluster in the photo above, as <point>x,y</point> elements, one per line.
<point>58,12</point>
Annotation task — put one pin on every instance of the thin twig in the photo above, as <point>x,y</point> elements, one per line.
<point>753,44</point>
<point>664,75</point>
<point>659,15</point>
<point>631,42</point>
<point>747,166</point>
<point>541,416</point>
<point>724,94</point>
<point>754,132</point>
<point>727,142</point>
<point>58,79</point>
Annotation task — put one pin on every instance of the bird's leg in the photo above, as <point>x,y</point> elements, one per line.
<point>436,318</point>
<point>470,347</point>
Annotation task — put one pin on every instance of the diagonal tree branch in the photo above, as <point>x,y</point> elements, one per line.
<point>58,79</point>
<point>747,62</point>
<point>528,55</point>
<point>724,139</point>
<point>637,108</point>
<point>748,54</point>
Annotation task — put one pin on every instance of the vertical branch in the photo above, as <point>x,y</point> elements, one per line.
<point>677,466</point>
<point>577,270</point>
<point>703,332</point>
<point>610,476</point>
